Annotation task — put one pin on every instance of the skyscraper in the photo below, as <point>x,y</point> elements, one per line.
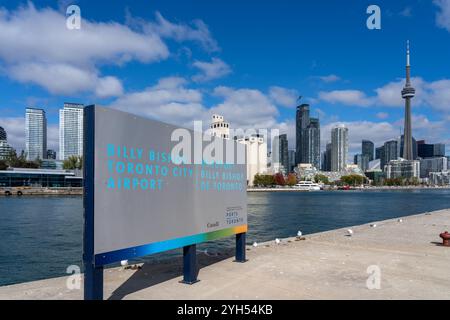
<point>311,143</point>
<point>71,130</point>
<point>367,148</point>
<point>339,147</point>
<point>3,136</point>
<point>5,148</point>
<point>307,137</point>
<point>35,133</point>
<point>408,93</point>
<point>390,151</point>
<point>301,121</point>
<point>280,154</point>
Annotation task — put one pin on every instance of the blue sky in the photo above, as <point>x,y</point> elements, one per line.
<point>179,61</point>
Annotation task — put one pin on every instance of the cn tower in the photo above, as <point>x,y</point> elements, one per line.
<point>408,93</point>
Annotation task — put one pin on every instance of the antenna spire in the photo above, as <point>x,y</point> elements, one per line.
<point>407,53</point>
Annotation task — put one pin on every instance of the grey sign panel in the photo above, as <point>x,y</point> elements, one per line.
<point>145,202</point>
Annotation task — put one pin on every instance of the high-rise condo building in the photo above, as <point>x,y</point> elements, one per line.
<point>35,133</point>
<point>71,130</point>
<point>280,154</point>
<point>391,151</point>
<point>3,135</point>
<point>307,137</point>
<point>5,148</point>
<point>339,148</point>
<point>367,148</point>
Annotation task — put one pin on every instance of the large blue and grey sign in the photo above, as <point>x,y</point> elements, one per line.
<point>158,187</point>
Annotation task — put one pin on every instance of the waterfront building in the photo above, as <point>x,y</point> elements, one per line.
<point>3,135</point>
<point>379,152</point>
<point>339,147</point>
<point>439,178</point>
<point>51,154</point>
<point>256,151</point>
<point>280,154</point>
<point>52,164</point>
<point>326,158</point>
<point>307,137</point>
<point>20,177</point>
<point>35,133</point>
<point>311,143</point>
<point>429,165</point>
<point>402,168</point>
<point>362,161</point>
<point>291,160</point>
<point>367,149</point>
<point>5,148</point>
<point>390,151</point>
<point>219,128</point>
<point>427,150</point>
<point>71,130</point>
<point>408,93</point>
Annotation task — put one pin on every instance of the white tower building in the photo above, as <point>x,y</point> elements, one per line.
<point>256,149</point>
<point>219,127</point>
<point>71,130</point>
<point>35,134</point>
<point>339,148</point>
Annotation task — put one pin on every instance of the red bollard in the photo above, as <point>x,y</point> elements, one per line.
<point>445,238</point>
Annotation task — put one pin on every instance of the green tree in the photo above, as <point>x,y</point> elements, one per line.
<point>3,165</point>
<point>321,178</point>
<point>15,161</point>
<point>73,162</point>
<point>291,179</point>
<point>279,179</point>
<point>352,179</point>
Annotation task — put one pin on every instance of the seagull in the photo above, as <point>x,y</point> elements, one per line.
<point>277,241</point>
<point>373,225</point>
<point>400,220</point>
<point>124,263</point>
<point>255,244</point>
<point>299,233</point>
<point>349,232</point>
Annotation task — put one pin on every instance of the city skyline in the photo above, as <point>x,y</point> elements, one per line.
<point>201,70</point>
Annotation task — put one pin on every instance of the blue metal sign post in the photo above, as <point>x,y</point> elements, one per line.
<point>93,275</point>
<point>240,248</point>
<point>190,268</point>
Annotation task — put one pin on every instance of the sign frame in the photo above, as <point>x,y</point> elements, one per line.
<point>93,268</point>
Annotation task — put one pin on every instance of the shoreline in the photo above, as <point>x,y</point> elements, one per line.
<point>76,191</point>
<point>324,265</point>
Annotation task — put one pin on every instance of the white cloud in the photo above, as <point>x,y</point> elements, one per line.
<point>348,97</point>
<point>435,94</point>
<point>199,32</point>
<point>443,15</point>
<point>42,51</point>
<point>329,78</point>
<point>211,70</point>
<point>382,115</point>
<point>41,35</point>
<point>169,101</point>
<point>246,108</point>
<point>66,79</point>
<point>283,97</point>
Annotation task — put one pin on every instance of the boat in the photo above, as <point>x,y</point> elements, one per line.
<point>307,186</point>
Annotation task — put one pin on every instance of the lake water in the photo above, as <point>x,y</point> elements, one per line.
<point>42,236</point>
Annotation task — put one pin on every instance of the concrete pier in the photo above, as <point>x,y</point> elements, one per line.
<point>330,265</point>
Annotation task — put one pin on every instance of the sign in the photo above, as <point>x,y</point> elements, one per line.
<point>147,191</point>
